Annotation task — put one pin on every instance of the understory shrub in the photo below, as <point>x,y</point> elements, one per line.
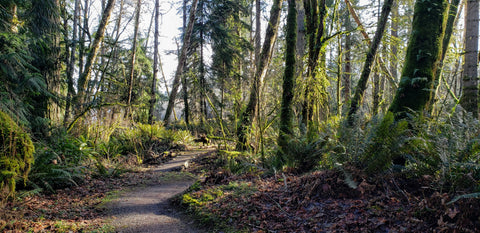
<point>145,140</point>
<point>60,162</point>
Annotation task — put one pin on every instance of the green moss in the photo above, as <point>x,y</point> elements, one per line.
<point>417,84</point>
<point>16,153</point>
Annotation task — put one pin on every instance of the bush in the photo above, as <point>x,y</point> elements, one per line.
<point>146,141</point>
<point>16,153</point>
<point>59,162</point>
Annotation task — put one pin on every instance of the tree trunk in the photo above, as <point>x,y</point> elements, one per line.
<point>315,96</point>
<point>347,68</point>
<point>181,63</point>
<point>452,16</point>
<point>202,80</point>
<point>71,62</point>
<point>153,96</point>
<point>362,82</point>
<point>421,60</point>
<point>393,48</point>
<point>86,74</point>
<point>186,106</point>
<point>258,29</point>
<point>300,47</point>
<point>47,58</point>
<point>469,100</point>
<point>261,68</point>
<point>133,58</point>
<point>286,112</point>
<point>82,34</point>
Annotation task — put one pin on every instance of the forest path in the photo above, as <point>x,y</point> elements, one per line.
<point>147,209</point>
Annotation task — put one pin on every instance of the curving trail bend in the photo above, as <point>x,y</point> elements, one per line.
<point>146,209</point>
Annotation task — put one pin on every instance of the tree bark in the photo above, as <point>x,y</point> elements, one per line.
<point>86,74</point>
<point>186,106</point>
<point>153,96</point>
<point>84,30</point>
<point>71,62</point>
<point>421,60</point>
<point>181,63</point>
<point>315,32</point>
<point>286,112</point>
<point>369,42</point>
<point>247,116</point>
<point>469,99</point>
<point>133,58</point>
<point>347,68</point>
<point>393,48</point>
<point>300,47</point>
<point>362,82</point>
<point>46,52</point>
<point>452,16</point>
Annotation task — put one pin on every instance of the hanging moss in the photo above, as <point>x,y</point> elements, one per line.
<point>16,153</point>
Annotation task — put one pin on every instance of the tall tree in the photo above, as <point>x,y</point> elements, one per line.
<point>286,113</point>
<point>347,66</point>
<point>469,99</point>
<point>260,72</point>
<point>181,63</point>
<point>153,95</point>
<point>316,80</point>
<point>421,60</point>
<point>92,56</point>
<point>46,28</point>
<point>452,16</point>
<point>300,49</point>
<point>71,61</point>
<point>372,51</point>
<point>394,45</point>
<point>186,105</point>
<point>131,76</point>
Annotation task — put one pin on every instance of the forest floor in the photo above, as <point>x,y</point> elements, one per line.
<point>249,200</point>
<point>135,201</point>
<point>339,200</point>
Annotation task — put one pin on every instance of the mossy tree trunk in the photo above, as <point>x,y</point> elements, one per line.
<point>372,51</point>
<point>421,61</point>
<point>347,62</point>
<point>452,16</point>
<point>315,90</point>
<point>469,100</point>
<point>249,113</point>
<point>286,114</point>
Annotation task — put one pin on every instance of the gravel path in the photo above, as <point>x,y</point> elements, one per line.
<point>146,209</point>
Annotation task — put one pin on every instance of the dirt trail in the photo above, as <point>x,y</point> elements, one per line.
<point>146,209</point>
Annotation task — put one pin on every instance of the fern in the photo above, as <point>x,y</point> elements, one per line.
<point>470,195</point>
<point>385,145</point>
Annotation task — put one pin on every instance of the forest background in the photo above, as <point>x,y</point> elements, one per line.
<point>383,86</point>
